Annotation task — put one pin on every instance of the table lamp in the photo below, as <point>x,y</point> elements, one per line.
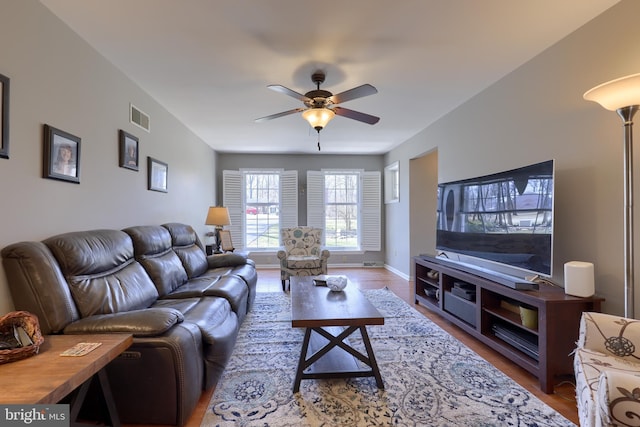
<point>623,96</point>
<point>217,216</point>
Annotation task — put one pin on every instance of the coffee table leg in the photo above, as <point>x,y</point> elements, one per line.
<point>303,358</point>
<point>372,357</point>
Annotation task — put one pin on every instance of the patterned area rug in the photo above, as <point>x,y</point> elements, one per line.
<point>431,379</point>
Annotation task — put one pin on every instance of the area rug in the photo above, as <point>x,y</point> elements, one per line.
<point>431,378</point>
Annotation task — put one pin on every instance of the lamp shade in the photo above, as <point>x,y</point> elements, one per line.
<point>618,93</point>
<point>218,216</point>
<point>318,117</point>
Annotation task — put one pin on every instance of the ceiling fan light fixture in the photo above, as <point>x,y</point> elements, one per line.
<point>318,117</point>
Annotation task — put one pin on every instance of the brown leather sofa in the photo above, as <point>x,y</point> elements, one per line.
<point>183,308</point>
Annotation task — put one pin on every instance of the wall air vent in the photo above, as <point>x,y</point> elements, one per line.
<point>139,118</point>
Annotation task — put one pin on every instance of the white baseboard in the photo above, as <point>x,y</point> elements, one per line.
<point>397,272</point>
<point>346,265</point>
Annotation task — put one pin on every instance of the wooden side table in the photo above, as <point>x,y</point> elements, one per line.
<point>48,377</point>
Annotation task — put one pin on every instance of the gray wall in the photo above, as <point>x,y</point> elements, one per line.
<point>302,163</point>
<point>57,79</point>
<point>537,113</point>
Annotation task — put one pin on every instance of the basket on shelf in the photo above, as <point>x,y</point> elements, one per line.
<point>28,322</point>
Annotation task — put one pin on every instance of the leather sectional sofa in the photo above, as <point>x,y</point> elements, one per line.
<point>183,308</point>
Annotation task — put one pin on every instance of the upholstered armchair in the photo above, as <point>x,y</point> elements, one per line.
<point>303,254</point>
<point>607,368</point>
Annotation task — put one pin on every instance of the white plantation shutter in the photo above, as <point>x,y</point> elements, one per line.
<point>289,199</point>
<point>315,199</point>
<point>232,197</point>
<point>371,211</point>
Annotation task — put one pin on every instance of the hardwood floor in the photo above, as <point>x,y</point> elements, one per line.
<point>562,400</point>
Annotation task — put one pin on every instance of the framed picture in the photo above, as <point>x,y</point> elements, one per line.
<point>157,175</point>
<point>225,241</point>
<point>4,116</point>
<point>128,151</point>
<point>61,155</point>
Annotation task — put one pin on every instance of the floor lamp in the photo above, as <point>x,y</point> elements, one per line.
<point>623,96</point>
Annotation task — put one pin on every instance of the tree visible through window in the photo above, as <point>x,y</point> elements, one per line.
<point>262,210</point>
<point>342,196</point>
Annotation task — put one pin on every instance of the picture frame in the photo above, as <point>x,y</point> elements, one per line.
<point>61,155</point>
<point>128,150</point>
<point>4,117</point>
<point>225,241</point>
<point>157,175</point>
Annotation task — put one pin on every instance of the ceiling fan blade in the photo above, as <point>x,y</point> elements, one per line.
<point>287,91</point>
<point>356,92</point>
<point>356,115</point>
<point>275,116</point>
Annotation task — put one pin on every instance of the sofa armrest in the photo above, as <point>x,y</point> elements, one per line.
<point>324,255</point>
<point>226,260</point>
<point>148,322</point>
<point>616,401</point>
<point>611,335</point>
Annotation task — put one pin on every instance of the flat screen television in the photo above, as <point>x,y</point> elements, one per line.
<point>505,218</point>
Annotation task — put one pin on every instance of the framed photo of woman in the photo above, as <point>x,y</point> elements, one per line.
<point>61,155</point>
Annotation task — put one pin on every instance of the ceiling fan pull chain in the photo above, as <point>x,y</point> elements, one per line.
<point>318,140</point>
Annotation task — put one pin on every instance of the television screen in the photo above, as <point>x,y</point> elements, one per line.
<point>505,218</point>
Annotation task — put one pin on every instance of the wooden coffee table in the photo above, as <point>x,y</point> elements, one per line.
<point>334,316</point>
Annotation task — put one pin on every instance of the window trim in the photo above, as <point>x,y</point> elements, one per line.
<point>392,183</point>
<point>233,197</point>
<point>370,207</point>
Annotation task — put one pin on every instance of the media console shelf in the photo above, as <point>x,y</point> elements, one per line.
<point>490,312</point>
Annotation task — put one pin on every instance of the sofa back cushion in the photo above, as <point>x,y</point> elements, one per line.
<point>188,247</point>
<point>101,271</point>
<point>152,247</point>
<point>37,285</point>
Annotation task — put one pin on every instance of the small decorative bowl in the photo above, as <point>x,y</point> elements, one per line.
<point>336,283</point>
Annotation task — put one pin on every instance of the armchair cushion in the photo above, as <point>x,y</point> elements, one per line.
<point>303,261</point>
<point>606,359</point>
<point>618,399</point>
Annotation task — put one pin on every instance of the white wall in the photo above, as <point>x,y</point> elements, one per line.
<point>537,113</point>
<point>57,79</point>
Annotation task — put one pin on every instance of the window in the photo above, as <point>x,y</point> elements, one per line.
<point>260,202</point>
<point>261,210</point>
<point>346,204</point>
<point>341,192</point>
<point>392,183</point>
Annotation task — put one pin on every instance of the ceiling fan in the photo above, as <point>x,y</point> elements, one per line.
<point>321,105</point>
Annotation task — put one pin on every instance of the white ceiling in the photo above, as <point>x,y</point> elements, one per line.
<point>209,61</point>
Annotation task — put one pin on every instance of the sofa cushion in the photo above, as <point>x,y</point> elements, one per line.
<point>166,271</point>
<point>186,244</point>
<point>193,260</point>
<point>101,273</point>
<point>129,288</point>
<point>152,246</point>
